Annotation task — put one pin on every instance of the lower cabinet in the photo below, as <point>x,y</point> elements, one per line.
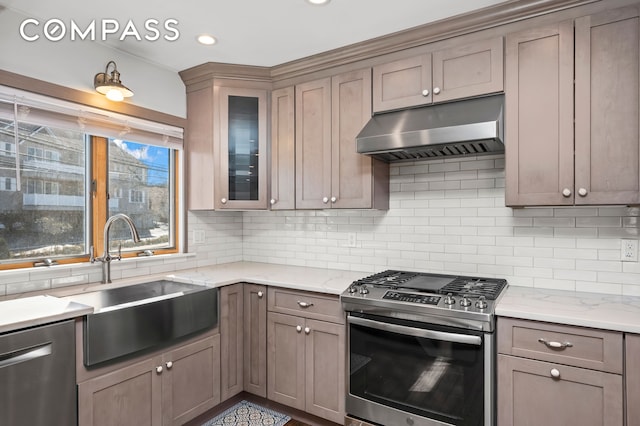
<point>306,364</point>
<point>255,339</point>
<point>231,329</point>
<point>556,375</point>
<point>168,389</point>
<point>632,378</point>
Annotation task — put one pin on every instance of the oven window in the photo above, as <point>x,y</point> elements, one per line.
<point>435,379</point>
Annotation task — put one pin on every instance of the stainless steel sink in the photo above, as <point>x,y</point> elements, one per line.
<point>140,317</point>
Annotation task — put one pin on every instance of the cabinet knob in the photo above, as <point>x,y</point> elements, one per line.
<point>169,365</point>
<point>260,294</point>
<point>273,201</point>
<point>334,199</point>
<point>307,330</point>
<point>223,201</point>
<point>298,328</point>
<point>436,90</point>
<point>566,193</point>
<point>159,369</point>
<point>555,373</point>
<point>582,192</point>
<point>325,200</point>
<point>425,92</point>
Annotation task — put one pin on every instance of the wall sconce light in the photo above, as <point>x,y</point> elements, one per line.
<point>109,84</point>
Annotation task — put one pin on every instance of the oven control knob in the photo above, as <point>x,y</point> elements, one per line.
<point>364,289</point>
<point>481,303</point>
<point>353,289</point>
<point>465,301</point>
<point>449,300</point>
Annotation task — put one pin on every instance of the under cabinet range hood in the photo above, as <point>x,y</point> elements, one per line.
<point>467,127</point>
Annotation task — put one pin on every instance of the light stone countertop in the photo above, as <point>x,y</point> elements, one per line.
<point>595,310</point>
<point>330,281</point>
<point>37,310</point>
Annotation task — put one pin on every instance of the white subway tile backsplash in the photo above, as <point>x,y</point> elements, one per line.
<point>445,216</point>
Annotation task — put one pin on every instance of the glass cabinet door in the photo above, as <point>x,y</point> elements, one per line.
<point>243,140</point>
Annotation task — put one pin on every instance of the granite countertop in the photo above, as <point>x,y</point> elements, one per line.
<point>596,310</point>
<point>37,310</point>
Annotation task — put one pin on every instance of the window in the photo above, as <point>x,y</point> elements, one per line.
<point>70,178</point>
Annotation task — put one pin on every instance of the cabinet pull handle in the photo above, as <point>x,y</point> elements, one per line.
<point>566,193</point>
<point>159,369</point>
<point>273,201</point>
<point>260,294</point>
<point>334,199</point>
<point>307,330</point>
<point>425,92</point>
<point>436,90</point>
<point>555,345</point>
<point>304,304</point>
<point>298,328</point>
<point>325,200</point>
<point>169,365</point>
<point>582,192</point>
<point>223,201</point>
<point>555,373</point>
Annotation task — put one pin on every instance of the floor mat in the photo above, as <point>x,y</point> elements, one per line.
<point>246,413</point>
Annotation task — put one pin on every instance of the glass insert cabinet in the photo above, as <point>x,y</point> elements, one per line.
<point>242,173</point>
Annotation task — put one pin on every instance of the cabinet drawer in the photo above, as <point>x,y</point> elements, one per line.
<point>577,346</point>
<point>305,304</point>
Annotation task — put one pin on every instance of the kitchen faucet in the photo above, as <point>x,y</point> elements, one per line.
<point>106,257</point>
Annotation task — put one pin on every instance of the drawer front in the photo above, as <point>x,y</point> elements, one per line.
<point>305,304</point>
<point>569,345</point>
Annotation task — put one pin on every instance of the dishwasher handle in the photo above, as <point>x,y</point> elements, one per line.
<point>23,355</point>
<point>466,339</point>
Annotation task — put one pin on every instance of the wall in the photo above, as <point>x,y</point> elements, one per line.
<point>449,216</point>
<point>74,63</point>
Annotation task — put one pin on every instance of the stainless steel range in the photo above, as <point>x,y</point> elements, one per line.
<point>421,349</point>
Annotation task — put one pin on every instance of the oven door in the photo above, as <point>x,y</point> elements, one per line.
<point>410,373</point>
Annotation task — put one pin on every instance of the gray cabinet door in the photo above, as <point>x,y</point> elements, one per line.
<point>313,144</point>
<point>325,369</point>
<point>190,381</point>
<point>255,339</point>
<point>632,378</point>
<point>351,173</point>
<point>534,393</point>
<point>285,360</point>
<point>539,116</point>
<point>231,346</point>
<point>402,83</point>
<point>129,396</point>
<point>283,153</point>
<point>469,70</point>
<point>607,107</point>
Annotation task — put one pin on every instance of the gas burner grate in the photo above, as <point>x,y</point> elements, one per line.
<point>487,287</point>
<point>388,279</point>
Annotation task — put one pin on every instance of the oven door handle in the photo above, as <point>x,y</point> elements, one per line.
<point>417,332</point>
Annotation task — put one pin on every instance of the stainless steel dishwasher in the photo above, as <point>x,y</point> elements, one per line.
<point>37,376</point>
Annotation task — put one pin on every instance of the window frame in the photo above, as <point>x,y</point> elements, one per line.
<point>96,213</point>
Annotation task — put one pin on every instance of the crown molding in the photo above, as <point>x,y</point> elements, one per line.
<point>211,70</point>
<point>482,19</point>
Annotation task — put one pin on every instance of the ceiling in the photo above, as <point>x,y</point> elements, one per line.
<point>249,32</point>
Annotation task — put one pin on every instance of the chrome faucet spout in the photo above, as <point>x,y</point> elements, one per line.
<point>106,257</point>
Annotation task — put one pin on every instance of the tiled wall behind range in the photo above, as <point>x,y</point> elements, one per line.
<point>449,216</point>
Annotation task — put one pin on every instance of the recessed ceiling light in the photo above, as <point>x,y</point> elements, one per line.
<point>206,39</point>
<point>319,2</point>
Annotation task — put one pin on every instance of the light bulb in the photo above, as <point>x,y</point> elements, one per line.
<point>114,95</point>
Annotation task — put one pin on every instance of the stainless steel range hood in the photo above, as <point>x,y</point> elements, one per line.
<point>468,127</point>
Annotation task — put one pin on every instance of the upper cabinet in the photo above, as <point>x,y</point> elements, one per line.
<point>242,159</point>
<point>459,72</point>
<point>329,113</point>
<point>226,144</point>
<point>547,161</point>
<point>283,156</point>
